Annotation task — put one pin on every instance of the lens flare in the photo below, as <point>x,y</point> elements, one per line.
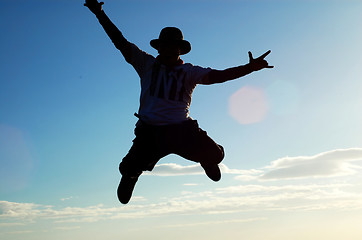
<point>15,159</point>
<point>248,105</point>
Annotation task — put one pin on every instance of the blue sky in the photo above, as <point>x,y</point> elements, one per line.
<point>292,135</point>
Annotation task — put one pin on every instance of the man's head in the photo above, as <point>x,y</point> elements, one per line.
<point>171,42</point>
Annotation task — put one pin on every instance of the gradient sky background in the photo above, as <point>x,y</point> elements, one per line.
<point>292,135</point>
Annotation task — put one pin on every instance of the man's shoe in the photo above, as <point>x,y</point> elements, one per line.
<point>212,171</point>
<point>125,188</point>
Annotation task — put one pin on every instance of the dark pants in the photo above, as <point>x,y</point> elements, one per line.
<point>155,142</point>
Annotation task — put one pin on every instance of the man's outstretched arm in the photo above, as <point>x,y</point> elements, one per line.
<point>220,76</point>
<point>112,31</point>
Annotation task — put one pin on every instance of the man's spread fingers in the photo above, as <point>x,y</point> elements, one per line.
<point>265,54</point>
<point>250,56</point>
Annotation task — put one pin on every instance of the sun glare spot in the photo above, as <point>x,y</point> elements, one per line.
<point>248,105</point>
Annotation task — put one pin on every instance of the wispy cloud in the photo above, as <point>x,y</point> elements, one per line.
<point>29,212</point>
<point>18,210</point>
<point>333,163</point>
<point>256,198</point>
<point>260,196</point>
<point>66,198</point>
<point>173,169</point>
<point>338,162</point>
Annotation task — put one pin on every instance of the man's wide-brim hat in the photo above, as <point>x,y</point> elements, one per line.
<point>172,35</point>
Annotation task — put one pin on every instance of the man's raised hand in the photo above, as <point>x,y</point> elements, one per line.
<point>259,63</point>
<point>94,6</point>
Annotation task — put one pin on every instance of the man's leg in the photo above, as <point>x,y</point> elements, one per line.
<point>197,146</point>
<point>142,156</point>
<point>125,188</point>
<point>211,168</point>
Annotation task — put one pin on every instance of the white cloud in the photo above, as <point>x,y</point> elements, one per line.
<point>261,196</point>
<point>256,198</point>
<point>338,162</point>
<point>173,169</point>
<point>29,212</point>
<point>18,210</point>
<point>243,175</point>
<point>66,198</point>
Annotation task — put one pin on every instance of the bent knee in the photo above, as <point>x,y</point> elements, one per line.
<point>220,155</point>
<point>214,156</point>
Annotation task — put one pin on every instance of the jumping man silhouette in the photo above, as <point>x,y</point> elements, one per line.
<point>164,125</point>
